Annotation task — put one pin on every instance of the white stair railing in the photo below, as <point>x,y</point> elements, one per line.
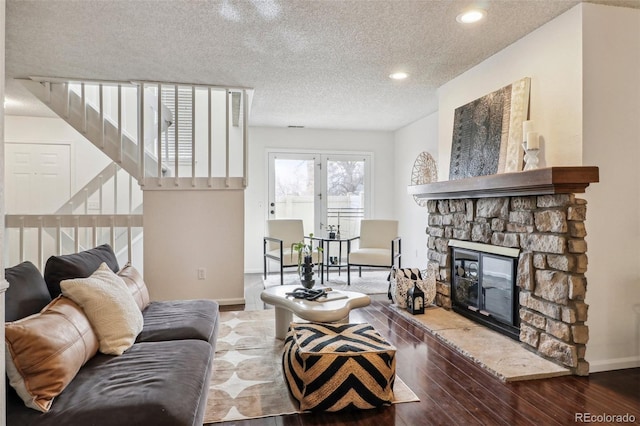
<point>166,135</point>
<point>110,195</point>
<point>32,233</point>
<point>111,191</point>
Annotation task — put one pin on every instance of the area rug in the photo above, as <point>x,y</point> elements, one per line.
<point>499,355</point>
<point>247,377</point>
<point>371,282</point>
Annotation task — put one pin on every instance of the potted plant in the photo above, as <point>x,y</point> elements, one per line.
<point>305,261</point>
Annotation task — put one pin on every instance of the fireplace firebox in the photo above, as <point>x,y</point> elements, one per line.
<point>484,286</point>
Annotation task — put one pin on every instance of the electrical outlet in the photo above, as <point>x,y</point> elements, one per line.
<point>202,273</point>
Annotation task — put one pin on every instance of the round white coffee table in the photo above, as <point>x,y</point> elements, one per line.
<point>334,308</point>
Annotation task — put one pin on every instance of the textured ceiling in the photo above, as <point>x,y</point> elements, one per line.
<point>319,64</point>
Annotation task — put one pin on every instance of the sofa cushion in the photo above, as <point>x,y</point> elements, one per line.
<point>180,319</point>
<point>136,285</point>
<point>110,307</point>
<point>27,293</point>
<point>46,350</point>
<point>159,384</point>
<point>77,265</point>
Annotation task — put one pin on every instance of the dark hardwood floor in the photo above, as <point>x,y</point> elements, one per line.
<point>455,391</point>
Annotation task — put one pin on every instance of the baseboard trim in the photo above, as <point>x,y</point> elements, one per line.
<point>236,301</point>
<point>614,364</point>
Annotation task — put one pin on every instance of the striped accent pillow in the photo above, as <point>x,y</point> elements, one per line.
<point>334,367</point>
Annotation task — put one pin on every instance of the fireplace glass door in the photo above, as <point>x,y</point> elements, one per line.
<point>497,282</point>
<point>466,278</point>
<point>483,289</point>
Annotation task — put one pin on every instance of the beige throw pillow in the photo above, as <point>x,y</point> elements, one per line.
<point>44,351</point>
<point>110,307</point>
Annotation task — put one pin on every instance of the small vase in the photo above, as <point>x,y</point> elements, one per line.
<point>306,274</point>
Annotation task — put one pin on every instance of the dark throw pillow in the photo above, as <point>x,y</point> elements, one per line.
<point>27,293</point>
<point>77,265</point>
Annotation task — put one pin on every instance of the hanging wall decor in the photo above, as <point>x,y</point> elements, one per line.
<point>425,170</point>
<point>487,133</point>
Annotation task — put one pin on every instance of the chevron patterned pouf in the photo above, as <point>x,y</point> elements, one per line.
<point>333,367</point>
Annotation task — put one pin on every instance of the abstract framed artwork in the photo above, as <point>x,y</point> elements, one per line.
<point>487,133</point>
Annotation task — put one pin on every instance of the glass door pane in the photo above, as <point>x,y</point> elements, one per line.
<point>497,286</point>
<point>292,188</point>
<point>346,185</point>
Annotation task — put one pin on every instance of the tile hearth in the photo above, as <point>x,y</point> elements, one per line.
<point>503,357</point>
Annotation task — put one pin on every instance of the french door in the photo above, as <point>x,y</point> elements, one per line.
<point>325,190</point>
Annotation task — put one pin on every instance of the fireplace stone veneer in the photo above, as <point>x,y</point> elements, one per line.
<point>550,232</point>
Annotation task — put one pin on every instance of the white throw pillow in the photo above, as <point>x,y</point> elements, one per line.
<point>110,307</point>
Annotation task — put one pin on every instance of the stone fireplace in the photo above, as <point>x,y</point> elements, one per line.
<point>538,213</point>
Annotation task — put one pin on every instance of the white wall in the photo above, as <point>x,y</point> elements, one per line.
<point>410,141</point>
<point>611,128</point>
<point>3,283</point>
<point>86,159</point>
<point>551,57</point>
<point>188,230</point>
<point>263,138</point>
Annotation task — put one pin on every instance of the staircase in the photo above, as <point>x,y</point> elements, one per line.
<point>204,145</point>
<point>108,209</point>
<point>194,137</point>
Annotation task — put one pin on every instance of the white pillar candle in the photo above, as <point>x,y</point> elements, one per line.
<point>527,126</point>
<point>532,140</point>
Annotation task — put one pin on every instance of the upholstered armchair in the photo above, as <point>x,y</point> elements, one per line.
<point>281,235</point>
<point>379,246</point>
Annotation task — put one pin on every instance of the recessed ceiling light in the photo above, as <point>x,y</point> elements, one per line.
<point>399,75</point>
<point>471,15</point>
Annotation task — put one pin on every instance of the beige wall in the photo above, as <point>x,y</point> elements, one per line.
<point>410,141</point>
<point>551,57</point>
<point>187,230</point>
<point>611,128</point>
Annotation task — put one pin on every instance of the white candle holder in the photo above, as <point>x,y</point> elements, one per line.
<point>530,158</point>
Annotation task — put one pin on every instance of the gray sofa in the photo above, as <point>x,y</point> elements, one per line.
<point>163,379</point>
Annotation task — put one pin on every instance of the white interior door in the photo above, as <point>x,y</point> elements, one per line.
<point>37,177</point>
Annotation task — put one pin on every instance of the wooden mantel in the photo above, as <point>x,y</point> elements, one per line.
<point>550,180</point>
